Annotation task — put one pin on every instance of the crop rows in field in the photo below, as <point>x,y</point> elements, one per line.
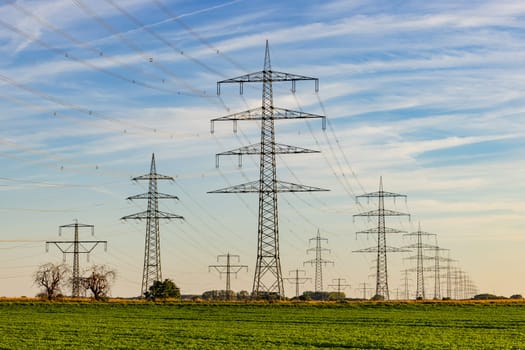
<point>41,325</point>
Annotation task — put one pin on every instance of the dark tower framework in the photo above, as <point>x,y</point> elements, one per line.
<point>228,269</point>
<point>365,289</point>
<point>420,258</point>
<point>297,279</point>
<point>381,230</point>
<point>318,261</point>
<point>340,285</point>
<point>76,247</point>
<point>268,278</point>
<point>406,279</point>
<point>152,268</point>
<point>437,270</point>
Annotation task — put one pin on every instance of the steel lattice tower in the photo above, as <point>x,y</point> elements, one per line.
<point>437,270</point>
<point>268,277</point>
<point>298,280</point>
<point>76,247</point>
<point>340,286</point>
<point>228,269</point>
<point>420,257</point>
<point>381,230</point>
<point>152,267</point>
<point>318,261</point>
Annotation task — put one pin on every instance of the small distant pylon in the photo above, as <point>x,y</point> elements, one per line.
<point>339,284</point>
<point>76,247</point>
<point>363,287</point>
<point>228,269</point>
<point>318,261</point>
<point>406,280</point>
<point>437,270</point>
<point>297,279</point>
<point>381,230</point>
<point>152,269</point>
<point>420,257</point>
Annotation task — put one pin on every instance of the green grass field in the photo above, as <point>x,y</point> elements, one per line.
<point>61,325</point>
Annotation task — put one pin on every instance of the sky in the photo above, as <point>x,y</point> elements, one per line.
<point>427,95</point>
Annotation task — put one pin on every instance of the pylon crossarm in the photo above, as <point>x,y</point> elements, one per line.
<point>382,212</point>
<point>155,215</point>
<point>148,196</point>
<point>153,176</point>
<point>422,245</point>
<point>266,76</point>
<point>257,114</point>
<point>254,186</point>
<point>387,249</point>
<point>375,230</point>
<point>422,233</point>
<point>256,149</point>
<point>380,194</point>
<point>79,225</point>
<point>414,257</point>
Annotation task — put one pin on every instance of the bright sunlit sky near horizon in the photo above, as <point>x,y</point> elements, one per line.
<point>427,94</point>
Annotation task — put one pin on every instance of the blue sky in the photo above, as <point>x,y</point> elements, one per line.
<point>428,95</point>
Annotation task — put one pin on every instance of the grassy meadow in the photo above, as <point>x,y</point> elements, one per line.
<point>36,324</point>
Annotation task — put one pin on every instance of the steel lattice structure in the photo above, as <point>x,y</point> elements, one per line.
<point>420,258</point>
<point>228,269</point>
<point>152,268</point>
<point>76,247</point>
<point>297,279</point>
<point>268,278</point>
<point>381,230</point>
<point>340,284</point>
<point>318,261</point>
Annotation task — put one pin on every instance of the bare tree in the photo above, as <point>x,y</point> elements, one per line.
<point>98,281</point>
<point>52,278</point>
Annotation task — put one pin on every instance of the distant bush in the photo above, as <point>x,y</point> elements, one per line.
<point>162,290</point>
<point>516,296</point>
<point>322,296</point>
<point>487,296</point>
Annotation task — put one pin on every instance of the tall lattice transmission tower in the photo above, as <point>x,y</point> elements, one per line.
<point>420,258</point>
<point>76,247</point>
<point>268,278</point>
<point>152,269</point>
<point>318,261</point>
<point>381,230</point>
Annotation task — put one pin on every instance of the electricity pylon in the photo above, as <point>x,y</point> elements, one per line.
<point>381,230</point>
<point>76,247</point>
<point>318,261</point>
<point>420,257</point>
<point>340,284</point>
<point>406,279</point>
<point>297,279</point>
<point>268,277</point>
<point>228,269</point>
<point>365,289</point>
<point>152,269</point>
<point>448,275</point>
<point>437,270</point>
